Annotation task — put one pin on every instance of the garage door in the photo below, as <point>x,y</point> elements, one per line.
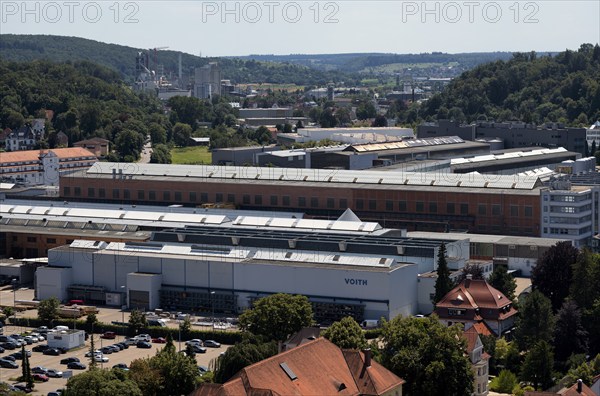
<point>139,300</point>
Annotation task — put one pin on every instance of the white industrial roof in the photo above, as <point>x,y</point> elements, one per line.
<point>320,175</point>
<point>509,155</point>
<point>307,224</point>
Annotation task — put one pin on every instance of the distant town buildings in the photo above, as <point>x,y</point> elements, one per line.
<point>100,147</point>
<point>25,137</point>
<point>207,81</point>
<point>592,134</point>
<point>512,134</point>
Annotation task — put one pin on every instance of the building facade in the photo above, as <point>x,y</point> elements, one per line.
<point>207,81</point>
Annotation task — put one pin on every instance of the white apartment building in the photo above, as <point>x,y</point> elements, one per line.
<point>43,167</point>
<point>570,212</point>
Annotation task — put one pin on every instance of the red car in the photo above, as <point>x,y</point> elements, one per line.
<point>40,377</point>
<point>109,335</point>
<point>159,340</point>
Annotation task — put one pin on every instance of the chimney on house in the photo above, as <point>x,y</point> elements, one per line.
<point>579,386</point>
<point>468,280</point>
<point>367,353</point>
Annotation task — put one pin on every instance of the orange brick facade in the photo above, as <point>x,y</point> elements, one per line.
<point>506,212</point>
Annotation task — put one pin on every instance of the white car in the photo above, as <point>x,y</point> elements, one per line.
<point>100,359</point>
<point>54,373</point>
<point>143,337</point>
<point>195,341</point>
<point>96,352</point>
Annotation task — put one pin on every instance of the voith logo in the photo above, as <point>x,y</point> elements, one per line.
<point>356,282</point>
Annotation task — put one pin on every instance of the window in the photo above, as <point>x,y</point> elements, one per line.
<point>514,210</point>
<point>496,210</point>
<point>126,194</point>
<point>343,203</point>
<point>258,199</point>
<point>66,191</point>
<point>91,192</point>
<point>246,199</point>
<point>231,198</point>
<point>330,203</point>
<point>193,196</point>
<point>528,211</point>
<point>372,204</point>
<point>314,202</point>
<point>219,197</point>
<point>360,204</point>
<point>204,197</point>
<point>456,312</point>
<point>152,195</point>
<point>178,196</point>
<point>402,206</point>
<point>450,208</point>
<point>274,200</point>
<point>464,208</point>
<point>51,240</point>
<point>31,239</point>
<point>389,206</point>
<point>78,191</point>
<point>432,207</point>
<point>302,202</point>
<point>481,210</point>
<point>166,196</point>
<point>115,193</point>
<point>101,193</point>
<point>420,207</point>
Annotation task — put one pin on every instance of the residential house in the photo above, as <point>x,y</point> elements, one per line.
<point>100,147</point>
<point>314,368</point>
<point>26,137</point>
<point>475,301</point>
<point>479,362</point>
<point>578,389</point>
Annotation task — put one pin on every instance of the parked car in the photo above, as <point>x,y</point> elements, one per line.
<point>197,348</point>
<point>2,350</point>
<point>53,393</point>
<point>212,344</point>
<point>11,358</point>
<point>39,370</point>
<point>68,360</point>
<point>40,377</point>
<point>51,352</point>
<point>96,352</point>
<point>5,363</point>
<point>159,340</point>
<point>54,373</point>
<point>9,345</point>
<point>106,350</point>
<point>100,359</point>
<point>124,345</point>
<point>143,344</point>
<point>76,366</point>
<point>40,348</point>
<point>195,341</point>
<point>120,347</point>
<point>121,366</point>
<point>109,335</point>
<point>62,350</point>
<point>144,337</point>
<point>22,387</point>
<point>114,348</point>
<point>19,354</point>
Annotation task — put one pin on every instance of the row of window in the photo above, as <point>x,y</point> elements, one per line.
<point>32,239</point>
<point>301,202</point>
<point>567,231</point>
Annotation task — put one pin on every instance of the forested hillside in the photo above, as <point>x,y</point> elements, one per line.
<point>122,59</point>
<point>530,88</point>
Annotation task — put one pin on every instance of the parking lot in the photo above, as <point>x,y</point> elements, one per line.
<point>106,315</point>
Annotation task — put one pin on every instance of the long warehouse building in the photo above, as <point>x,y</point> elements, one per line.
<point>493,204</point>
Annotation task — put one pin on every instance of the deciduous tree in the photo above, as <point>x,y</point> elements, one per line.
<point>137,321</point>
<point>553,272</point>
<point>538,366</point>
<point>48,309</point>
<point>569,335</point>
<point>101,382</point>
<point>278,316</point>
<point>423,351</point>
<point>251,350</point>
<point>346,334</point>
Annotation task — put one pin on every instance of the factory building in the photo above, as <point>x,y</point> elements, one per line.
<point>345,267</point>
<point>207,81</point>
<point>433,201</point>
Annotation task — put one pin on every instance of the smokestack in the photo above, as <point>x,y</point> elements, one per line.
<point>579,386</point>
<point>367,353</point>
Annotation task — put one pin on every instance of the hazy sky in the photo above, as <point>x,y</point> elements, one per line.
<point>215,28</point>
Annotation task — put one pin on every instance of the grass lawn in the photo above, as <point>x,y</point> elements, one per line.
<point>191,155</point>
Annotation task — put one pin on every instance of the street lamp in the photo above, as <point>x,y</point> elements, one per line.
<point>123,306</point>
<point>212,300</point>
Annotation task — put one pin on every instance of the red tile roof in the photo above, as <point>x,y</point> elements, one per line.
<point>319,368</point>
<point>471,336</point>
<point>483,329</point>
<point>34,155</point>
<point>572,391</point>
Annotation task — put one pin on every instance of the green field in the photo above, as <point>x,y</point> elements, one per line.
<point>191,155</point>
